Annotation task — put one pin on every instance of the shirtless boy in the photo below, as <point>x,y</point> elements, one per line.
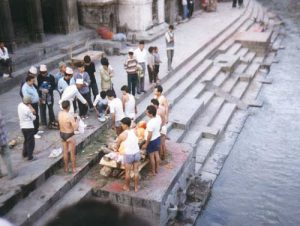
<point>67,125</point>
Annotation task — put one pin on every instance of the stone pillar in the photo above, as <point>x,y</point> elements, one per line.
<point>7,28</point>
<point>35,20</point>
<point>135,14</point>
<point>69,16</point>
<point>161,11</point>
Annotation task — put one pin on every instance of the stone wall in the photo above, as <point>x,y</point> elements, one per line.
<point>97,13</point>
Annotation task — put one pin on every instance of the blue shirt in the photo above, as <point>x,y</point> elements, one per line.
<point>86,80</point>
<point>30,91</point>
<point>3,133</point>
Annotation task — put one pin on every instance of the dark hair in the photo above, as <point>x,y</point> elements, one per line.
<point>102,94</point>
<point>150,49</point>
<point>151,110</point>
<point>155,47</point>
<point>142,42</point>
<point>94,213</point>
<point>29,78</point>
<point>126,121</point>
<point>171,27</point>
<point>87,59</point>
<point>104,61</point>
<point>110,93</point>
<point>155,102</point>
<point>130,53</point>
<point>65,104</point>
<point>159,88</point>
<point>80,64</point>
<point>125,88</point>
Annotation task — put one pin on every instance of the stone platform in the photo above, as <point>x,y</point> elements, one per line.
<point>158,196</point>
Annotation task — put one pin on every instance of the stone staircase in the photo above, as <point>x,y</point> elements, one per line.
<point>203,95</point>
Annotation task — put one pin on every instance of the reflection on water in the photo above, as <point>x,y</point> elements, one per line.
<point>260,182</point>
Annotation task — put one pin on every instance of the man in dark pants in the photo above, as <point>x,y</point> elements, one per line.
<point>46,86</point>
<point>191,7</point>
<point>240,2</point>
<point>5,60</point>
<point>89,67</point>
<point>26,115</point>
<point>29,89</point>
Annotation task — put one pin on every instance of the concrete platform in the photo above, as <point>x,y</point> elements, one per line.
<point>158,196</point>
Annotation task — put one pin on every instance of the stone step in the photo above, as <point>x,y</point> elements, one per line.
<point>203,151</point>
<point>250,72</point>
<point>224,116</point>
<point>242,52</point>
<point>249,57</point>
<point>80,191</point>
<point>268,61</point>
<point>230,83</point>
<point>211,74</point>
<point>220,79</point>
<point>206,97</point>
<point>176,134</point>
<point>179,91</point>
<point>240,89</point>
<point>31,208</point>
<point>234,48</point>
<point>184,112</point>
<point>195,133</point>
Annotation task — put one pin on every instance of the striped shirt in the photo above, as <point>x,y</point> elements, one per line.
<point>3,132</point>
<point>131,65</point>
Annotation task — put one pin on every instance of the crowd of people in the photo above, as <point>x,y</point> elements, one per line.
<point>79,96</point>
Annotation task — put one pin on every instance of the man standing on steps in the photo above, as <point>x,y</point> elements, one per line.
<point>240,2</point>
<point>169,36</point>
<point>191,7</point>
<point>141,56</point>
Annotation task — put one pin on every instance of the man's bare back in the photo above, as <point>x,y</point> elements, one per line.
<point>67,123</point>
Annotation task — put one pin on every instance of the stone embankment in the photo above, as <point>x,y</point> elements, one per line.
<point>212,88</point>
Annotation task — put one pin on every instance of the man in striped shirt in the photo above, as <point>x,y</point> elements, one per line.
<point>131,66</point>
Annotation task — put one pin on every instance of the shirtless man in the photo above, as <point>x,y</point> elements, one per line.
<point>67,125</point>
<point>129,105</point>
<point>163,103</point>
<point>163,130</point>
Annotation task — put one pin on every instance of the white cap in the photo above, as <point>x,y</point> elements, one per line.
<point>130,50</point>
<point>69,71</point>
<point>33,70</point>
<point>79,81</point>
<point>43,67</point>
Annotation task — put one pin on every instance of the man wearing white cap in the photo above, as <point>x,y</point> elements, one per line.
<point>141,55</point>
<point>62,71</point>
<point>46,86</point>
<point>72,92</point>
<point>131,67</point>
<point>65,81</point>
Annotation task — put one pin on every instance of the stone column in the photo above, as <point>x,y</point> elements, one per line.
<point>35,20</point>
<point>7,28</point>
<point>135,14</point>
<point>69,16</point>
<point>161,11</point>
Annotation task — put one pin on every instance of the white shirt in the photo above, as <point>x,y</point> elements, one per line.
<point>70,93</point>
<point>4,55</point>
<point>26,117</point>
<point>131,144</point>
<point>99,99</point>
<point>153,126</point>
<point>141,56</point>
<point>116,107</point>
<point>130,107</point>
<point>184,2</point>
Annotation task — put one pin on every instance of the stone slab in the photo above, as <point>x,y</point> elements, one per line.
<point>95,55</point>
<point>155,192</point>
<point>227,62</point>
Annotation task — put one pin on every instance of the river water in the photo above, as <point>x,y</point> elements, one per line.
<point>260,181</point>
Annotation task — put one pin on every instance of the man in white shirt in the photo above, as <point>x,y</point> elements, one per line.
<point>116,111</point>
<point>71,92</point>
<point>152,137</point>
<point>170,43</point>
<point>5,61</point>
<point>141,55</point>
<point>26,116</point>
<point>128,101</point>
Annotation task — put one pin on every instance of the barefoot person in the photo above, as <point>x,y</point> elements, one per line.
<point>163,131</point>
<point>128,101</point>
<point>67,125</point>
<point>152,137</point>
<point>132,155</point>
<point>116,111</point>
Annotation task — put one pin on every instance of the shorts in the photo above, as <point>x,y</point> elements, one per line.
<point>117,123</point>
<point>163,130</point>
<point>130,159</point>
<point>153,146</point>
<point>66,136</point>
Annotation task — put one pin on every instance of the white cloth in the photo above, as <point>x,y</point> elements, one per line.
<point>131,144</point>
<point>26,117</point>
<point>141,56</point>
<point>130,107</point>
<point>163,130</point>
<point>153,126</point>
<point>116,107</point>
<point>99,99</point>
<point>184,2</point>
<point>4,55</point>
